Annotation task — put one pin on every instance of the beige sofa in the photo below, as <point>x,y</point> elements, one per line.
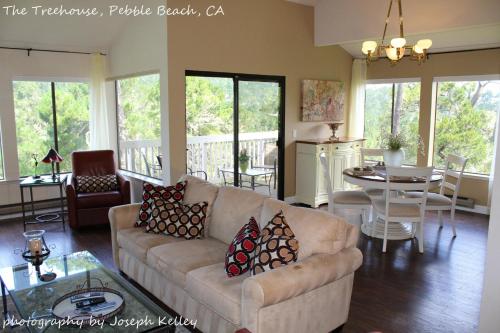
<point>311,295</point>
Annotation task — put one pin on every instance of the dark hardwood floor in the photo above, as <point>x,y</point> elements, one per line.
<point>399,291</point>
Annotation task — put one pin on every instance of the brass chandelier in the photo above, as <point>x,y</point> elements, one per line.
<point>397,48</point>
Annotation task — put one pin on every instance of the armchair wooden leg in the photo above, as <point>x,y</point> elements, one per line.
<point>440,218</point>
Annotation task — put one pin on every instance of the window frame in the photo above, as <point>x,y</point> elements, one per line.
<point>52,82</point>
<point>459,78</point>
<point>393,83</point>
<point>114,81</point>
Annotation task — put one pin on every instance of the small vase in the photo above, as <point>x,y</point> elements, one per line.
<point>244,166</point>
<point>394,158</point>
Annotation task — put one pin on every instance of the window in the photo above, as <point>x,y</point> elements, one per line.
<point>139,128</point>
<point>50,114</point>
<point>466,119</point>
<point>393,108</point>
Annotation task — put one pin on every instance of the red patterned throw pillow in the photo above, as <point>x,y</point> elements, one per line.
<point>178,220</point>
<point>170,194</point>
<point>241,249</point>
<point>276,246</point>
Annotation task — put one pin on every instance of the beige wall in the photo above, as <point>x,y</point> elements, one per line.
<point>271,37</point>
<point>449,64</point>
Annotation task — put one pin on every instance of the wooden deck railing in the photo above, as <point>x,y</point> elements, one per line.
<point>204,153</point>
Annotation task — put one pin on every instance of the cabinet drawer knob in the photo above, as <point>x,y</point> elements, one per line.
<point>337,148</point>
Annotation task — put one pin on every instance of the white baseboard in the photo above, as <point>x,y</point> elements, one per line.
<point>290,200</point>
<point>478,209</point>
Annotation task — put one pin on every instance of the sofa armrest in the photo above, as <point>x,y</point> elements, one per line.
<point>121,217</point>
<point>124,185</point>
<point>278,285</point>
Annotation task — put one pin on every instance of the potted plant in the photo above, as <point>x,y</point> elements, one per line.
<point>243,159</point>
<point>394,154</point>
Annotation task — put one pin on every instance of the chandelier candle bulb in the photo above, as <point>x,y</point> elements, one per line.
<point>398,42</point>
<point>424,44</point>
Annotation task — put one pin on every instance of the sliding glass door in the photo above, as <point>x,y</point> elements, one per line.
<point>234,129</point>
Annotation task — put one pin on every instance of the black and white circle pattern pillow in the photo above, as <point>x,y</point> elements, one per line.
<point>150,193</point>
<point>95,184</point>
<point>177,220</point>
<point>276,247</point>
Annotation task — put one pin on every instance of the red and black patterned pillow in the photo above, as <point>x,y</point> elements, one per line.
<point>171,194</point>
<point>241,249</point>
<point>276,246</point>
<point>94,184</point>
<point>178,220</point>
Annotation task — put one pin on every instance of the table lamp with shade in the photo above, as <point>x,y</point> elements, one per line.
<point>52,157</point>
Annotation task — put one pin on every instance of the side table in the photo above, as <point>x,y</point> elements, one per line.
<point>30,183</point>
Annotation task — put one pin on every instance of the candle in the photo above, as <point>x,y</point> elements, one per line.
<point>35,246</point>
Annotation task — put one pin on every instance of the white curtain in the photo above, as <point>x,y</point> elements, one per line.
<point>357,108</point>
<point>99,121</point>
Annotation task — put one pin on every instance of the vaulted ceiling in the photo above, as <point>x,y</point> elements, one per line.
<point>451,24</point>
<point>75,33</point>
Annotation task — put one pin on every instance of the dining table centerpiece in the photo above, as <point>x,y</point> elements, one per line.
<point>394,155</point>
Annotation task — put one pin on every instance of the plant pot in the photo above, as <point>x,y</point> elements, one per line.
<point>243,166</point>
<point>394,158</point>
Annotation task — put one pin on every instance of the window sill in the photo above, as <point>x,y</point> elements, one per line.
<point>468,175</point>
<point>137,176</point>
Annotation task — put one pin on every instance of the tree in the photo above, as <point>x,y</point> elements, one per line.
<point>465,123</point>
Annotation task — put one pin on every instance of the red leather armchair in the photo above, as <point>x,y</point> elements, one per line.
<point>85,209</point>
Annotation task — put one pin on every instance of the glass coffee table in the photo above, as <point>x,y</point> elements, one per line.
<point>34,299</point>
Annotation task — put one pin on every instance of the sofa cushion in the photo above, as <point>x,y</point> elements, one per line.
<point>277,246</point>
<point>199,190</point>
<point>210,286</point>
<point>175,260</point>
<point>317,231</point>
<point>242,248</point>
<point>172,194</point>
<point>100,199</point>
<point>137,242</point>
<point>232,209</point>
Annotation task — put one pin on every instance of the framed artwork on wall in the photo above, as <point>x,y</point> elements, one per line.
<point>323,100</point>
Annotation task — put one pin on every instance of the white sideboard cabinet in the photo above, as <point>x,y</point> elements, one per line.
<point>310,183</point>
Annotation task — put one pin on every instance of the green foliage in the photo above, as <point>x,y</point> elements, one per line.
<point>139,115</point>
<point>244,157</point>
<point>209,106</point>
<point>379,120</point>
<point>395,141</point>
<point>465,123</point>
<point>34,122</point>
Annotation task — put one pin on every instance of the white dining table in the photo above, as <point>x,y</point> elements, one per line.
<point>377,180</point>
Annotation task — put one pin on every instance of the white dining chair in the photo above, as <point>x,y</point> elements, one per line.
<point>358,200</point>
<point>454,169</point>
<point>402,209</point>
<point>366,153</point>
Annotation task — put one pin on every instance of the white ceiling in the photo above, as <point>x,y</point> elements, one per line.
<point>451,24</point>
<point>75,33</point>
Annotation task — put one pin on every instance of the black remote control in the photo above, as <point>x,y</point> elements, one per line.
<point>90,302</point>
